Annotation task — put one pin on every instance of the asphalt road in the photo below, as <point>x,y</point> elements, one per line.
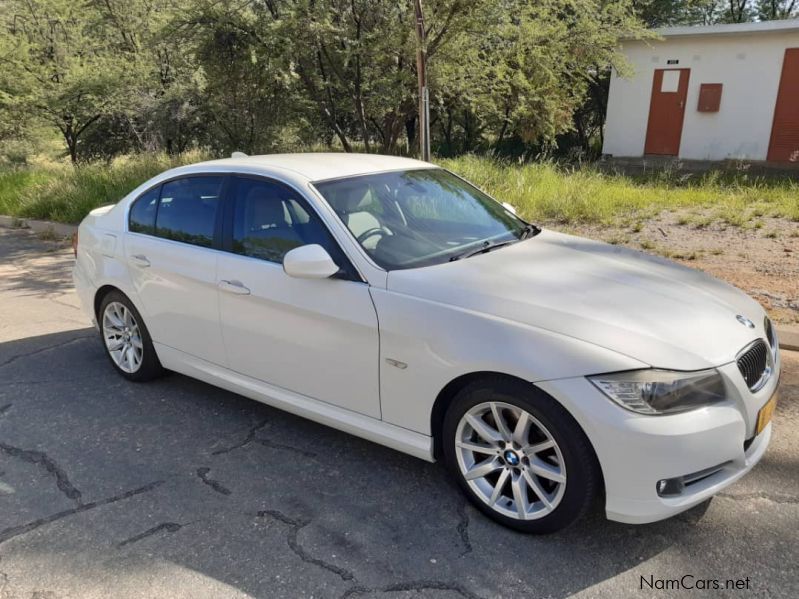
<point>176,488</point>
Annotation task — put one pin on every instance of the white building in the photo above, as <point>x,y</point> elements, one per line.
<point>709,93</point>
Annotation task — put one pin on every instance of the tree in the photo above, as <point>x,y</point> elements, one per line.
<point>533,66</point>
<point>768,10</point>
<point>116,76</point>
<point>737,11</point>
<point>355,59</point>
<point>165,113</point>
<point>59,70</point>
<point>244,79</point>
<point>667,13</point>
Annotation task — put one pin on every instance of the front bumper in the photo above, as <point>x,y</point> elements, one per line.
<point>636,451</point>
<point>643,510</point>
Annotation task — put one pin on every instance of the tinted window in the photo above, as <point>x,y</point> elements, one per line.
<point>269,220</point>
<point>188,208</point>
<point>142,213</point>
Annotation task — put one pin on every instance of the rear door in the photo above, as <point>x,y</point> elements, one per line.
<point>173,232</point>
<point>318,338</point>
<point>666,111</point>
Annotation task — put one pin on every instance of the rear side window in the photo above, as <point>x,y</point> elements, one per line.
<point>141,218</point>
<point>188,210</point>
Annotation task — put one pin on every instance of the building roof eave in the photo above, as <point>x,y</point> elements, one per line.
<point>762,27</point>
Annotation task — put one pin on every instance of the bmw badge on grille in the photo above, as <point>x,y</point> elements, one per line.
<point>745,321</point>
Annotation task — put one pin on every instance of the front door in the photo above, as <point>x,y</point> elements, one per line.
<point>318,338</point>
<point>784,145</point>
<point>666,111</point>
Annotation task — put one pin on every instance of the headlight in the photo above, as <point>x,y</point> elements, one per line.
<point>661,391</point>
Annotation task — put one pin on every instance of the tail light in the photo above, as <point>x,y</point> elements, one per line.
<point>75,243</point>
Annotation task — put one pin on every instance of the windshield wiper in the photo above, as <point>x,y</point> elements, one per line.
<point>529,230</point>
<point>484,248</point>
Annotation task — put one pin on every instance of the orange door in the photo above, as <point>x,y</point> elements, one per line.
<point>666,110</point>
<point>784,145</point>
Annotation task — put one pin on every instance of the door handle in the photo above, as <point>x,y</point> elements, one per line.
<point>236,287</point>
<point>140,260</point>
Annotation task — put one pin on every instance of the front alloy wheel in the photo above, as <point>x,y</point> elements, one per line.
<point>510,460</point>
<point>519,456</point>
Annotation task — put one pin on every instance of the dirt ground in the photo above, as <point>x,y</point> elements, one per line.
<point>762,258</point>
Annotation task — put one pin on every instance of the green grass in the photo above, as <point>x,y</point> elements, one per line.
<point>15,183</point>
<point>539,191</point>
<point>544,191</point>
<point>64,193</point>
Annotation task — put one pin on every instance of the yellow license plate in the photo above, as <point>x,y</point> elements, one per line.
<point>765,414</point>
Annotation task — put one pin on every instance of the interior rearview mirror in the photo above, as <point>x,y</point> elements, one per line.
<point>309,262</point>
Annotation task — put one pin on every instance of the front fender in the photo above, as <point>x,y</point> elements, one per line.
<point>439,343</point>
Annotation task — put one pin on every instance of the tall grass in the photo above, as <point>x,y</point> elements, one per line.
<point>544,191</point>
<point>15,183</point>
<point>539,191</point>
<point>64,193</point>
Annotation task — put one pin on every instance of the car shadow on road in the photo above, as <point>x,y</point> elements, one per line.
<point>113,485</point>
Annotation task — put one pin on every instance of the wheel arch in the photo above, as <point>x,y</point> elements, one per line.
<point>102,292</point>
<point>451,389</point>
<point>448,393</point>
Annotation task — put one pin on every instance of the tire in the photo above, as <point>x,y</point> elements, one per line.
<point>119,322</point>
<point>556,448</point>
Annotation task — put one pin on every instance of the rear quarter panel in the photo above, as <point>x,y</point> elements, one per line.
<point>100,260</point>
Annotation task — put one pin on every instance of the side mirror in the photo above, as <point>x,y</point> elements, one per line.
<point>509,207</point>
<point>309,262</point>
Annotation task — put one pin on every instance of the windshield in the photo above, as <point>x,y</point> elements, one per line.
<point>407,219</point>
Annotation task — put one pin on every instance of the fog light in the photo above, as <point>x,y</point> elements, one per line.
<point>669,487</point>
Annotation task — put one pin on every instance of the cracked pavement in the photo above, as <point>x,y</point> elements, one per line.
<point>178,489</point>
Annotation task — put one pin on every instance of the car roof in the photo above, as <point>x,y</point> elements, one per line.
<point>317,166</point>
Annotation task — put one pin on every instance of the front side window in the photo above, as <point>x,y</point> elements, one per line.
<point>408,219</point>
<point>141,218</point>
<point>269,220</point>
<point>187,210</point>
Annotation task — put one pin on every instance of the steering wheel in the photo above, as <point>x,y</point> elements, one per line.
<point>371,233</point>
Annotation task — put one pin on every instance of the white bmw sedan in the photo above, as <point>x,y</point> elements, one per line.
<point>393,300</point>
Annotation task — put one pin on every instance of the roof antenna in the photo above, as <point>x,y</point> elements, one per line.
<point>238,155</point>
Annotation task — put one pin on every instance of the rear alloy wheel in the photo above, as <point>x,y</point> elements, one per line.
<point>519,456</point>
<point>122,337</point>
<point>126,339</point>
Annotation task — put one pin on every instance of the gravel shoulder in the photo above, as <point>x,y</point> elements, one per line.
<point>761,258</point>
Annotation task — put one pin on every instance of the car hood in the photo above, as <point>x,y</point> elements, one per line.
<point>642,306</point>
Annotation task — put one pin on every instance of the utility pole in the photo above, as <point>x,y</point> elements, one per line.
<point>424,97</point>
